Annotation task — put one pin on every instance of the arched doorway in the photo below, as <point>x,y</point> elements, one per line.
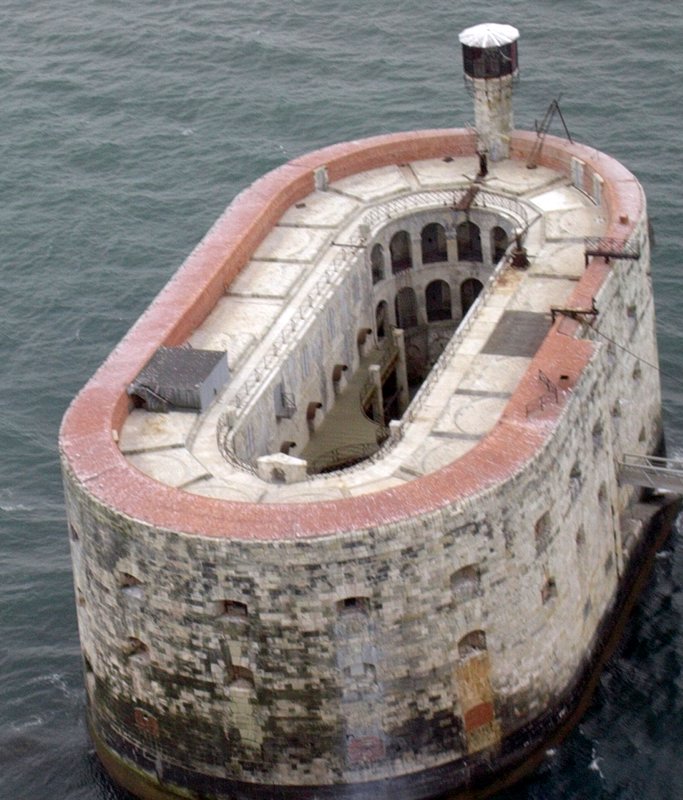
<point>499,243</point>
<point>406,307</point>
<point>399,247</point>
<point>469,242</point>
<point>469,291</point>
<point>438,301</point>
<point>381,321</point>
<point>433,243</point>
<point>377,263</point>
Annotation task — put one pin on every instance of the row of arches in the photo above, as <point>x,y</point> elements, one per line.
<point>434,248</point>
<point>438,304</point>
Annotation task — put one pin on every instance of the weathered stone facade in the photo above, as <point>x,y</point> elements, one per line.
<point>230,647</point>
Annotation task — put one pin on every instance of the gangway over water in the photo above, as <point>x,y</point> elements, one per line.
<point>653,472</point>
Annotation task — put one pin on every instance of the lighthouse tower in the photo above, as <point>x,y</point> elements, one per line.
<point>489,54</point>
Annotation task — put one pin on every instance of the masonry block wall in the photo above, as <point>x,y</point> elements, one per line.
<point>282,653</point>
<point>401,641</point>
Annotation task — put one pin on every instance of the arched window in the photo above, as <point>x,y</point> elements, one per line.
<point>469,242</point>
<point>233,609</point>
<point>438,301</point>
<point>311,413</point>
<point>469,291</point>
<point>434,243</point>
<point>474,643</point>
<point>399,247</point>
<point>137,651</point>
<point>466,583</point>
<point>499,243</point>
<point>354,605</point>
<point>381,321</point>
<point>240,677</point>
<point>377,263</point>
<point>337,375</point>
<point>406,308</point>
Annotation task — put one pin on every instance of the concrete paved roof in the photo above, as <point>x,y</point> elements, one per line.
<point>484,367</point>
<point>95,424</point>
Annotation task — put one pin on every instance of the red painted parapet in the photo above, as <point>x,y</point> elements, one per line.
<point>87,438</point>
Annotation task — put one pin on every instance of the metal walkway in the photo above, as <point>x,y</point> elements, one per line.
<point>653,472</point>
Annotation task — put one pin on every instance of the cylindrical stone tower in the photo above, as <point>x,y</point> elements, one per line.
<point>489,54</point>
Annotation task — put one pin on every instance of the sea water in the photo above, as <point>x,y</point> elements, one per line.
<point>126,127</point>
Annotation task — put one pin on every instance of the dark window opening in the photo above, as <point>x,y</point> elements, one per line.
<point>469,242</point>
<point>399,247</point>
<point>499,243</point>
<point>434,248</point>
<point>381,321</point>
<point>241,677</point>
<point>406,308</point>
<point>466,583</point>
<point>377,263</point>
<point>136,650</point>
<point>474,643</point>
<point>438,301</point>
<point>234,609</point>
<point>354,605</point>
<point>543,531</point>
<point>391,398</point>
<point>549,591</point>
<point>311,413</point>
<point>469,291</point>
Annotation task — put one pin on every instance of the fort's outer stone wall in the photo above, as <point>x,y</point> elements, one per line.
<point>295,686</point>
<point>394,645</point>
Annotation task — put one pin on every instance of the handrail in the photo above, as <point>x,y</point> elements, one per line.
<point>334,274</point>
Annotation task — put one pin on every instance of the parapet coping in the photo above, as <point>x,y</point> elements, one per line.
<point>92,458</point>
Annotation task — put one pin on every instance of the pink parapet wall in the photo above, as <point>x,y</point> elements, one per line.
<point>87,438</point>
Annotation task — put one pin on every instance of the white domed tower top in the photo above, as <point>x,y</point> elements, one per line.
<point>490,50</point>
<point>489,53</point>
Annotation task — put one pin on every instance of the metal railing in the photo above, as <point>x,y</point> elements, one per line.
<point>332,277</point>
<point>605,247</point>
<point>653,472</point>
<point>344,456</point>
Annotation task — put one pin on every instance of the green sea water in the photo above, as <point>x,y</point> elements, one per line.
<point>125,128</point>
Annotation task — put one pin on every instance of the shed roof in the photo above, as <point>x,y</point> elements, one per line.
<point>177,368</point>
